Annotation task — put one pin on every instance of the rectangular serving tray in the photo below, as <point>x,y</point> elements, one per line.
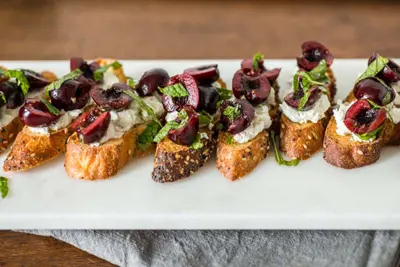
<point>313,195</point>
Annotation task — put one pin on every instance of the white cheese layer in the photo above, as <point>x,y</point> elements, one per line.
<point>261,121</point>
<point>109,79</point>
<point>341,128</point>
<point>65,120</point>
<point>316,113</point>
<point>394,107</point>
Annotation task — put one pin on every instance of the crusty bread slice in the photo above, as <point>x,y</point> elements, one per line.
<point>8,133</point>
<point>31,149</point>
<point>332,86</point>
<point>173,162</point>
<point>236,160</point>
<point>343,152</point>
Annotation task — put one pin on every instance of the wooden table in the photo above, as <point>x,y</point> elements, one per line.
<point>177,30</point>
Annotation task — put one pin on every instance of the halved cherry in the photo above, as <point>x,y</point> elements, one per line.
<point>312,53</point>
<point>86,68</point>
<point>390,73</point>
<point>36,80</point>
<point>92,125</point>
<point>242,120</point>
<point>361,118</point>
<point>293,99</point>
<point>13,95</point>
<point>112,98</point>
<point>193,98</point>
<point>205,74</point>
<point>151,80</point>
<point>256,89</point>
<point>209,97</point>
<point>34,113</point>
<point>72,94</point>
<point>372,89</point>
<point>187,134</point>
<point>248,69</point>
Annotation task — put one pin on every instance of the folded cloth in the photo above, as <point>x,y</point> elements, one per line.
<point>237,248</point>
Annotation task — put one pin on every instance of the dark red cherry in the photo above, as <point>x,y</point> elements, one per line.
<point>34,113</point>
<point>271,75</point>
<point>373,90</point>
<point>312,53</point>
<point>209,97</point>
<point>36,80</point>
<point>73,94</point>
<point>390,73</point>
<point>13,95</point>
<point>151,80</point>
<point>113,98</point>
<point>86,68</point>
<point>255,89</point>
<point>193,98</point>
<point>242,120</point>
<point>293,99</point>
<point>205,74</point>
<point>361,118</point>
<point>92,125</point>
<point>187,134</point>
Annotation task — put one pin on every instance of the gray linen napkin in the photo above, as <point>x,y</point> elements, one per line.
<point>237,248</point>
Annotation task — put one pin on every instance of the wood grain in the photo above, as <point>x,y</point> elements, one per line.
<point>179,29</point>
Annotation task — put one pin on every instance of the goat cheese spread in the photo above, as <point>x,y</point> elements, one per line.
<point>394,107</point>
<point>109,78</point>
<point>65,119</point>
<point>261,121</point>
<point>314,114</point>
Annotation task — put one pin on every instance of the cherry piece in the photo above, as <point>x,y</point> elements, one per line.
<point>312,53</point>
<point>293,99</point>
<point>113,98</point>
<point>187,134</point>
<point>256,89</point>
<point>151,80</point>
<point>87,69</point>
<point>390,73</point>
<point>73,94</point>
<point>242,120</point>
<point>35,113</point>
<point>13,95</point>
<point>361,118</point>
<point>205,74</point>
<point>92,125</point>
<point>209,97</point>
<point>173,104</point>
<point>36,81</point>
<point>375,91</point>
<point>247,68</point>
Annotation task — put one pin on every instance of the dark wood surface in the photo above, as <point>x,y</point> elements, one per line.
<point>176,30</point>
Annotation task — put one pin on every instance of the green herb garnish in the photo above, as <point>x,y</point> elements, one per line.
<point>304,100</point>
<point>224,93</point>
<point>371,135</point>
<point>145,139</point>
<point>57,84</point>
<point>21,79</point>
<point>374,68</point>
<point>256,59</point>
<point>175,90</point>
<point>172,125</point>
<point>197,144</point>
<point>204,118</point>
<point>229,139</point>
<point>3,97</point>
<point>3,186</point>
<point>143,105</point>
<point>50,107</point>
<point>131,82</point>
<point>278,156</point>
<point>98,74</point>
<point>231,112</point>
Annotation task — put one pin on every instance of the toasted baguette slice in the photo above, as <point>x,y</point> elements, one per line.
<point>173,162</point>
<point>8,133</point>
<point>301,141</point>
<point>236,160</point>
<point>332,86</point>
<point>31,149</point>
<point>343,152</point>
<point>83,161</point>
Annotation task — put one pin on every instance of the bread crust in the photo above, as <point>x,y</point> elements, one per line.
<point>8,133</point>
<point>173,162</point>
<point>301,141</point>
<point>332,86</point>
<point>237,160</point>
<point>83,161</point>
<point>343,152</point>
<point>31,149</point>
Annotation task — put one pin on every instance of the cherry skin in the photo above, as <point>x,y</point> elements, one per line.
<point>113,98</point>
<point>205,74</point>
<point>151,80</point>
<point>92,125</point>
<point>239,122</point>
<point>34,113</point>
<point>361,118</point>
<point>186,135</point>
<point>372,89</point>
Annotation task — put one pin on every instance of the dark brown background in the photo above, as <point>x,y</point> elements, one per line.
<point>179,29</point>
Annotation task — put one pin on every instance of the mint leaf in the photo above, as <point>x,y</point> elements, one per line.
<point>50,107</point>
<point>145,139</point>
<point>256,58</point>
<point>3,186</point>
<point>303,100</point>
<point>3,97</point>
<point>278,156</point>
<point>131,82</point>
<point>374,68</point>
<point>143,105</point>
<point>224,93</point>
<point>229,139</point>
<point>57,83</point>
<point>175,90</point>
<point>204,118</point>
<point>231,112</point>
<point>172,125</point>
<point>98,74</point>
<point>21,79</point>
<point>197,144</point>
<point>319,72</point>
<point>371,135</point>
